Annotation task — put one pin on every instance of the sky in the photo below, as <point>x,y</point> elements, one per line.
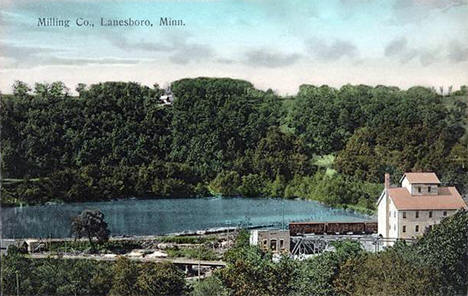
<point>277,44</point>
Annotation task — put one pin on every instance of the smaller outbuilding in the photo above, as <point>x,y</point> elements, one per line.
<point>274,240</point>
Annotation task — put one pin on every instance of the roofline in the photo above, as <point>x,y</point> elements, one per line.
<point>404,175</point>
<point>380,197</point>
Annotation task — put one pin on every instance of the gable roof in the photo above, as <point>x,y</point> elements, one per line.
<point>447,199</point>
<point>422,178</point>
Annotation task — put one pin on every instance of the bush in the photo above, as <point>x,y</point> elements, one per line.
<point>226,183</point>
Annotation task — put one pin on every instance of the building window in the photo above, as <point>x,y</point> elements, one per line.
<point>429,189</point>
<point>281,244</point>
<point>417,214</point>
<point>273,244</point>
<point>265,242</point>
<point>404,228</point>
<point>445,213</point>
<point>416,228</point>
<point>419,189</point>
<point>394,214</point>
<point>430,214</point>
<point>404,215</point>
<point>394,227</point>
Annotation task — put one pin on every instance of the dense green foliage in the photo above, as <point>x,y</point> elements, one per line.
<point>89,277</point>
<point>224,137</point>
<point>211,286</point>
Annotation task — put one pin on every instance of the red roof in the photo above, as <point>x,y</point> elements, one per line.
<point>422,178</point>
<point>447,199</point>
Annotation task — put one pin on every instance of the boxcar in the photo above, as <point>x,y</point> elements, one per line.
<point>298,228</point>
<point>371,227</point>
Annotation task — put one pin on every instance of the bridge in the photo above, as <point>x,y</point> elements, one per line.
<point>314,244</point>
<point>113,257</point>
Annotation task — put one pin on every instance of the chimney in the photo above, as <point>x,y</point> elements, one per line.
<point>387,181</point>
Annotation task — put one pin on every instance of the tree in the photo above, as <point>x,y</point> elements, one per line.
<point>211,286</point>
<point>21,89</point>
<point>125,276</point>
<point>160,279</point>
<point>316,275</point>
<point>446,248</point>
<point>252,185</point>
<point>387,273</point>
<point>226,183</point>
<point>90,224</point>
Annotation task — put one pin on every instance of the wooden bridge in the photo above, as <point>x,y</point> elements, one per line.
<point>176,261</point>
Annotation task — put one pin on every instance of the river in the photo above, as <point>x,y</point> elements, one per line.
<point>163,216</point>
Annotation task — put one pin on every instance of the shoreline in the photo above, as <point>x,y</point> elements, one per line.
<point>201,232</point>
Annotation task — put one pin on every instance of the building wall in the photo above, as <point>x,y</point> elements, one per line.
<point>406,184</point>
<point>413,188</point>
<point>273,240</point>
<point>393,221</point>
<point>422,221</point>
<point>253,239</point>
<point>382,216</point>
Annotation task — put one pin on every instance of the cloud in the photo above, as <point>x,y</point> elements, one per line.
<point>399,49</point>
<point>443,5</point>
<point>180,49</point>
<point>414,11</point>
<point>90,61</point>
<point>269,59</point>
<point>335,50</point>
<point>26,56</point>
<point>396,47</point>
<point>124,44</point>
<point>457,52</point>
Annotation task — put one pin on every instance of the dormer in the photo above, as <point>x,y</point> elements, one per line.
<point>421,183</point>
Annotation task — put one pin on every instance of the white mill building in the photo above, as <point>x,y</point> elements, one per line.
<point>405,212</point>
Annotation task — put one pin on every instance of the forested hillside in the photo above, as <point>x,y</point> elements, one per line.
<point>224,137</point>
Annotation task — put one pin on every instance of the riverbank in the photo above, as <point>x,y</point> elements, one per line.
<point>325,186</point>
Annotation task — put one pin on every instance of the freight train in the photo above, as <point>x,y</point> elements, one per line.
<point>301,228</point>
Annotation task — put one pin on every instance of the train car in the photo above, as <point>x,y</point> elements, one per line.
<point>299,228</point>
<point>371,227</point>
<point>345,227</point>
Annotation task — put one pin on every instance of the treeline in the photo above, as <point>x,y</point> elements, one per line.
<point>223,136</point>
<point>25,276</point>
<point>434,265</point>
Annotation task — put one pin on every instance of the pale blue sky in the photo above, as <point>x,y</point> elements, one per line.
<point>275,44</point>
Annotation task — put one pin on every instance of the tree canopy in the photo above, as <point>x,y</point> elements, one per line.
<point>224,136</point>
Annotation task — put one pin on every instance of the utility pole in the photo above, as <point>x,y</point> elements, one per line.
<point>282,210</point>
<point>17,283</point>
<point>199,258</point>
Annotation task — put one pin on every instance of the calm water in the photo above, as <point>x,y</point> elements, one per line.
<point>162,216</point>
